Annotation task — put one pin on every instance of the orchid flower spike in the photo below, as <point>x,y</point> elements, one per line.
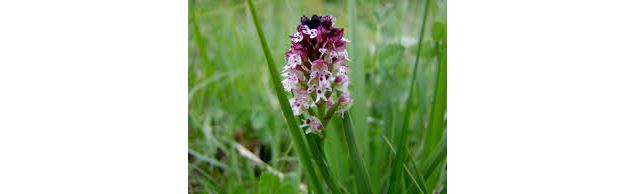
<point>316,72</point>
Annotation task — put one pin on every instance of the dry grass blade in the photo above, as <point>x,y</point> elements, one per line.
<point>243,151</point>
<point>256,160</point>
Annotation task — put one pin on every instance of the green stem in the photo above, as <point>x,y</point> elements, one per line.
<point>329,115</point>
<point>296,134</point>
<point>320,159</point>
<point>361,175</point>
<point>312,112</point>
<point>321,108</point>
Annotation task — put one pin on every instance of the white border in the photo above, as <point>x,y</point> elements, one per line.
<point>93,96</point>
<point>541,97</point>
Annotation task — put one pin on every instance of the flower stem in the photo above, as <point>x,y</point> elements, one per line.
<point>322,164</point>
<point>329,115</point>
<point>321,109</point>
<point>312,112</point>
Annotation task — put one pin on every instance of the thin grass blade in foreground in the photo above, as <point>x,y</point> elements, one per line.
<point>361,175</point>
<point>298,139</point>
<point>395,175</point>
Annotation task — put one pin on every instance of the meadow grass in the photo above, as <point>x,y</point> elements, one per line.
<point>233,100</point>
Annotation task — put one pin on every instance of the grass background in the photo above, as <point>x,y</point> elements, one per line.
<point>233,111</point>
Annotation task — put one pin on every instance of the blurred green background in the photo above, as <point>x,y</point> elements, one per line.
<point>232,104</point>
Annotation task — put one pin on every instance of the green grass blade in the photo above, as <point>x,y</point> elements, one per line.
<point>296,133</point>
<point>395,175</point>
<point>211,161</point>
<point>443,180</point>
<point>361,175</point>
<point>435,158</point>
<point>198,36</point>
<point>416,178</point>
<point>419,178</point>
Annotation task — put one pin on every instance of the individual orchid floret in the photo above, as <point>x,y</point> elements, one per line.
<point>345,101</point>
<point>300,101</point>
<point>319,79</point>
<point>330,103</point>
<point>297,37</point>
<point>293,60</point>
<point>316,73</point>
<point>341,82</point>
<point>311,32</point>
<point>291,79</point>
<point>313,125</point>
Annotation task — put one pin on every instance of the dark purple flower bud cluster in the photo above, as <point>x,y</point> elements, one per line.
<point>316,72</point>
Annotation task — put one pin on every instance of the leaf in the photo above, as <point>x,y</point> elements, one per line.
<point>361,174</point>
<point>334,149</point>
<point>438,30</point>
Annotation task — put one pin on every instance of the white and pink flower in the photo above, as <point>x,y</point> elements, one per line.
<point>315,71</point>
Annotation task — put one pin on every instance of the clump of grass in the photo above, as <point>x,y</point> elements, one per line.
<point>395,175</point>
